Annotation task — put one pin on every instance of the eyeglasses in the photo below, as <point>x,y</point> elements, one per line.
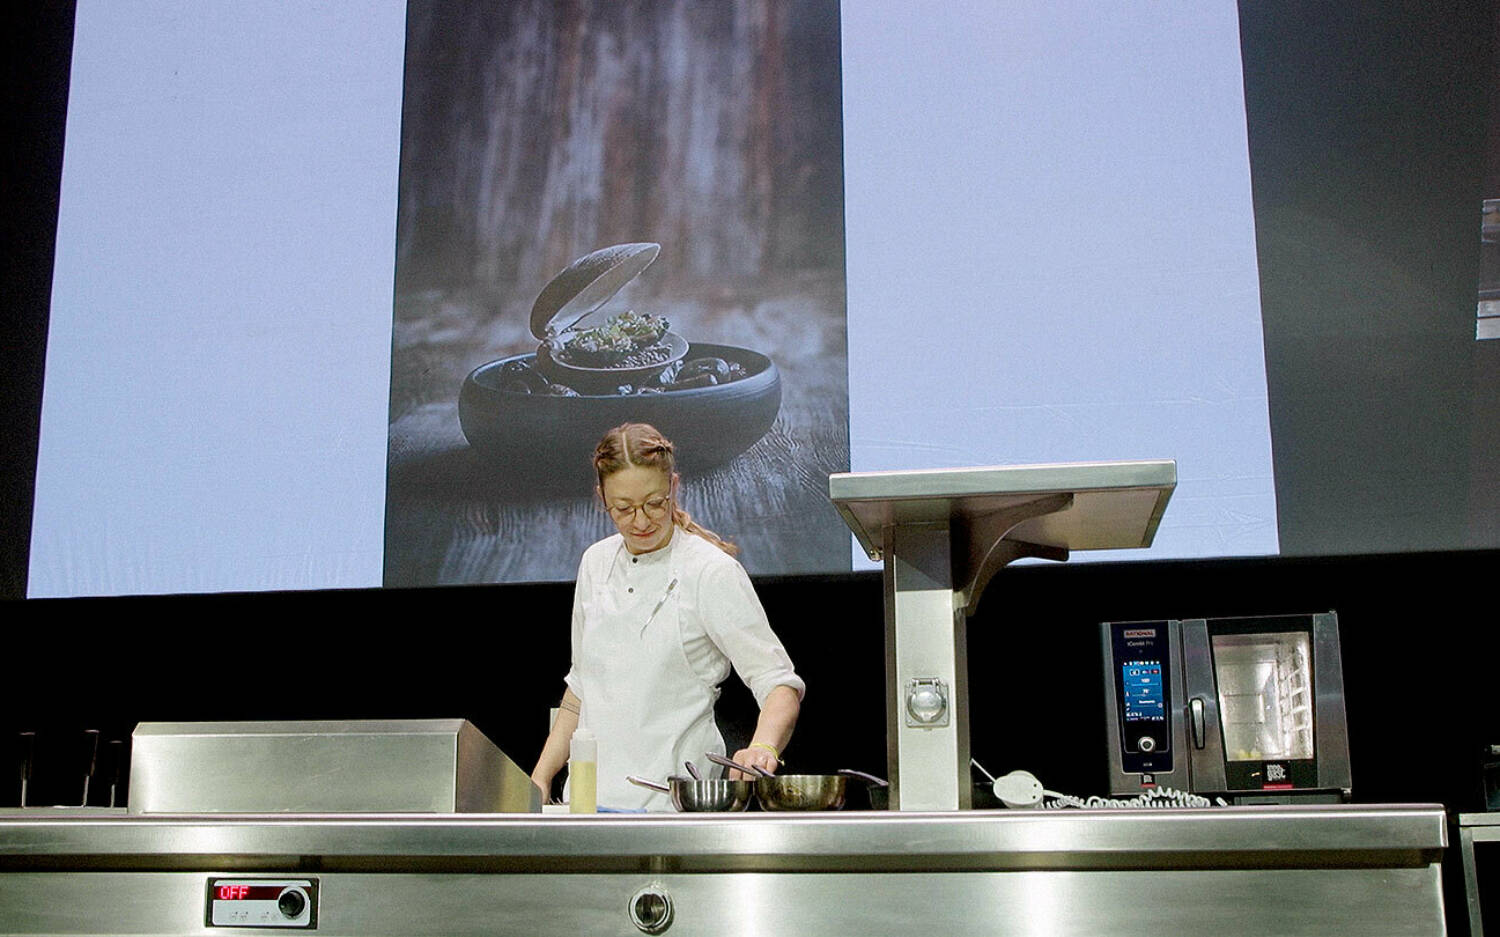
<point>655,510</point>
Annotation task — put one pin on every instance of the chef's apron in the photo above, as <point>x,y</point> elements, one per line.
<point>642,700</point>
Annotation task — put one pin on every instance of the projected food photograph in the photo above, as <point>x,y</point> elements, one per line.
<point>609,213</point>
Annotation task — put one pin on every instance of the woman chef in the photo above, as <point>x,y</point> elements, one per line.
<point>660,612</point>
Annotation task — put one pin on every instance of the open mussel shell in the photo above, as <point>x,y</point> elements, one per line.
<point>586,284</point>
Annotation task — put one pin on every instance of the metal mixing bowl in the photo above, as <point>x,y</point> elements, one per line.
<point>801,791</point>
<point>711,795</point>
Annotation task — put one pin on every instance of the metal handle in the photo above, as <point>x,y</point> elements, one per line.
<point>116,769</point>
<point>28,762</point>
<point>878,782</point>
<point>654,785</point>
<point>90,761</point>
<point>1197,722</point>
<point>718,759</point>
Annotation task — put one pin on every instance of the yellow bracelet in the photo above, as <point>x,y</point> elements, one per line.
<point>770,748</point>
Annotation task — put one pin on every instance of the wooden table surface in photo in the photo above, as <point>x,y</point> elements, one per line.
<point>453,516</point>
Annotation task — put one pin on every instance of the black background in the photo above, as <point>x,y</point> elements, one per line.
<point>1366,135</point>
<point>1416,653</point>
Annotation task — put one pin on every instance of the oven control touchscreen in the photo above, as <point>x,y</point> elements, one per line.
<point>1140,652</point>
<point>262,902</point>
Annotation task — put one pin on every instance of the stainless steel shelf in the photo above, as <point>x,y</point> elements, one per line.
<point>1116,505</point>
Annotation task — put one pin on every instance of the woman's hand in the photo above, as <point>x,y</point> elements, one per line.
<point>555,752</point>
<point>755,757</point>
<point>544,785</point>
<point>778,716</point>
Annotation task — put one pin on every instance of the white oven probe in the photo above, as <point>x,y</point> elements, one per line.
<point>1020,790</point>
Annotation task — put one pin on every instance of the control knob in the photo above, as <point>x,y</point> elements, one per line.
<point>292,903</point>
<point>651,909</point>
<point>1146,743</point>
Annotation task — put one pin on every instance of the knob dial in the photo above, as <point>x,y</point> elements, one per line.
<point>651,909</point>
<point>292,903</point>
<point>1146,743</point>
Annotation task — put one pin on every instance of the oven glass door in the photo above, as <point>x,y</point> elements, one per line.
<point>1265,690</point>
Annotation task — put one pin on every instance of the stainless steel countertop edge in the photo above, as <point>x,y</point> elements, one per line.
<point>1316,830</point>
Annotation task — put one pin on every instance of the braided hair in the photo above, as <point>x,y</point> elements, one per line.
<point>640,444</point>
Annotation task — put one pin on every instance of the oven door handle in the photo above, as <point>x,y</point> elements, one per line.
<point>1197,722</point>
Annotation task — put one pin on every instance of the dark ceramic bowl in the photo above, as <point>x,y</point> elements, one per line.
<point>551,438</point>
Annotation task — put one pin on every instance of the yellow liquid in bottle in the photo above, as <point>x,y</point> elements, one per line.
<point>583,787</point>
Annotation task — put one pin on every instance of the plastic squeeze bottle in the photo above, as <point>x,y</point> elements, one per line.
<point>583,772</point>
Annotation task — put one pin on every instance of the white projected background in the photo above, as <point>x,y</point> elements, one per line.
<point>1050,258</point>
<point>218,353</point>
<point>1051,250</point>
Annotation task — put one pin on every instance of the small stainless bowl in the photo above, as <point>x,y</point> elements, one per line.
<point>711,795</point>
<point>714,794</point>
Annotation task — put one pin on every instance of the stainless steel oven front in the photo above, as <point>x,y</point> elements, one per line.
<point>1251,709</point>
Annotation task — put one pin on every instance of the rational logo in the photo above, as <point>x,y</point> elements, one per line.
<point>1139,633</point>
<point>1277,777</point>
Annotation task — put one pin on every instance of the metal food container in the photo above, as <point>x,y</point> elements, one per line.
<point>395,766</point>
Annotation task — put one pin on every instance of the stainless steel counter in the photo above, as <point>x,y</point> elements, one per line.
<point>1224,871</point>
<point>1475,828</point>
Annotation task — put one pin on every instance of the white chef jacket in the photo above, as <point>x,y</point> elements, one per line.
<point>654,634</point>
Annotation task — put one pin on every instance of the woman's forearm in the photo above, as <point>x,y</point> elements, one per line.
<point>773,730</point>
<point>555,751</point>
<point>778,717</point>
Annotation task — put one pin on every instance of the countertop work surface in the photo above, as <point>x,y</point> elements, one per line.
<point>1338,836</point>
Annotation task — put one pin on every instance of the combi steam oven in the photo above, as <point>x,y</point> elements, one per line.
<point>1251,709</point>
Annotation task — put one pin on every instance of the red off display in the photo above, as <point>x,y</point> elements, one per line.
<point>248,892</point>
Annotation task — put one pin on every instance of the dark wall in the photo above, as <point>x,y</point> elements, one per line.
<point>36,46</point>
<point>1417,654</point>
